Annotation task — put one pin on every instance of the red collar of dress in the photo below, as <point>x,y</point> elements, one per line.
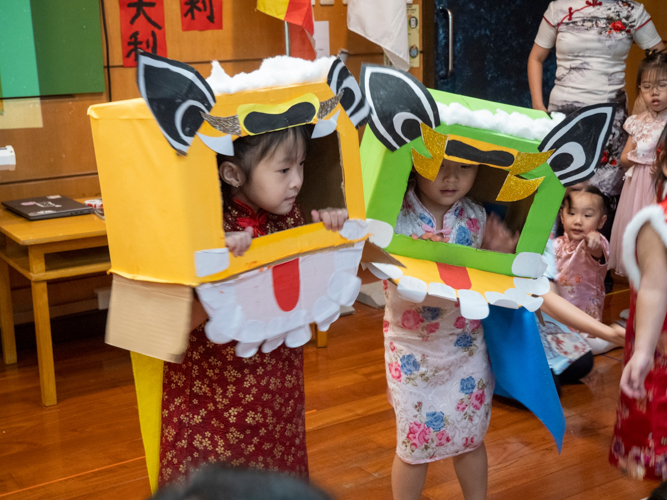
<point>255,220</point>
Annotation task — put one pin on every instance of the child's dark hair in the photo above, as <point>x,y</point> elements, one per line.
<point>660,161</point>
<point>252,149</point>
<point>567,201</point>
<point>219,482</point>
<point>655,63</point>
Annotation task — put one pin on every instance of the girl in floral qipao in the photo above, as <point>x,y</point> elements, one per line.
<point>438,369</point>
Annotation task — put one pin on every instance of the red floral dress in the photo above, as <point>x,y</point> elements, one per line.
<point>639,445</point>
<point>217,407</point>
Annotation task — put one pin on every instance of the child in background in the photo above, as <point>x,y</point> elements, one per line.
<point>438,369</point>
<point>638,156</point>
<point>216,406</point>
<point>639,446</point>
<point>582,254</point>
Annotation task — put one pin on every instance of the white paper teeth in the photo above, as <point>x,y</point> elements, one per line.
<point>441,290</point>
<point>391,271</point>
<point>274,343</point>
<point>381,233</point>
<point>473,305</point>
<point>247,349</point>
<point>213,261</point>
<point>223,328</point>
<point>354,229</point>
<point>343,288</point>
<point>298,337</point>
<point>529,265</point>
<point>538,286</point>
<point>325,312</point>
<point>532,304</point>
<point>499,299</point>
<point>412,289</point>
<point>328,281</point>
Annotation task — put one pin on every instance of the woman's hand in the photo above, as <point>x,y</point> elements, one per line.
<point>332,218</point>
<point>239,241</point>
<point>498,237</point>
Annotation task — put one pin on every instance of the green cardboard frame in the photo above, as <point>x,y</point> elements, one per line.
<point>385,178</point>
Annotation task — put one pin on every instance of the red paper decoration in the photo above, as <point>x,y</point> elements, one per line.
<point>201,15</point>
<point>142,28</point>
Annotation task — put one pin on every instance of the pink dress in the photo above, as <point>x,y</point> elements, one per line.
<point>438,368</point>
<point>580,276</point>
<point>638,188</point>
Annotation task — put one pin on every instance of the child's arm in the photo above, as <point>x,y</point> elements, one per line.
<point>239,241</point>
<point>594,242</point>
<point>498,237</point>
<point>630,145</point>
<point>651,310</point>
<point>332,218</point>
<point>561,310</point>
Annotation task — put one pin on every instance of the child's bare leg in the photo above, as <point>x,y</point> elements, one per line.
<point>407,480</point>
<point>472,471</point>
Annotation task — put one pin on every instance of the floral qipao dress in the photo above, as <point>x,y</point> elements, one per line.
<point>218,407</point>
<point>438,368</point>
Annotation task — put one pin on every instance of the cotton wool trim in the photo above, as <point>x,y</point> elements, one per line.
<point>279,71</point>
<point>515,124</point>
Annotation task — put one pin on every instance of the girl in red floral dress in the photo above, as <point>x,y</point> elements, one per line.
<point>639,446</point>
<point>216,406</point>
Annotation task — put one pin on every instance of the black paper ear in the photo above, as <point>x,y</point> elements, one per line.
<point>352,101</point>
<point>578,142</point>
<point>399,102</point>
<point>176,95</point>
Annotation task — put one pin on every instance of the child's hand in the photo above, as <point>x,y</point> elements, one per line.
<point>634,375</point>
<point>594,242</point>
<point>239,241</point>
<point>332,218</point>
<point>498,237</point>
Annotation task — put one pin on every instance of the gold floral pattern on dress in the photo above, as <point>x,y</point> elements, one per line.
<point>246,412</point>
<point>217,407</point>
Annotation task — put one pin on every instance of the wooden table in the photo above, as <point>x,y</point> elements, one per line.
<point>42,251</point>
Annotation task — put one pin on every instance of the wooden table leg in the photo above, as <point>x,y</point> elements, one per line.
<point>47,374</point>
<point>7,316</point>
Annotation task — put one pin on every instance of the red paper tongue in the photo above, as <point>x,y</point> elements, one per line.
<point>286,284</point>
<point>455,276</point>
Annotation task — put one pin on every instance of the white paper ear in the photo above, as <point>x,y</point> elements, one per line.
<point>222,145</point>
<point>325,127</point>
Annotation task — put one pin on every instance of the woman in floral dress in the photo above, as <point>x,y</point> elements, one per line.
<point>592,40</point>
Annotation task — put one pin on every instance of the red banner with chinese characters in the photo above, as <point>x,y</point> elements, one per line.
<point>201,15</point>
<point>142,28</point>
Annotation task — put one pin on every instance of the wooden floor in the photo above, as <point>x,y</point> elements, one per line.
<point>89,446</point>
